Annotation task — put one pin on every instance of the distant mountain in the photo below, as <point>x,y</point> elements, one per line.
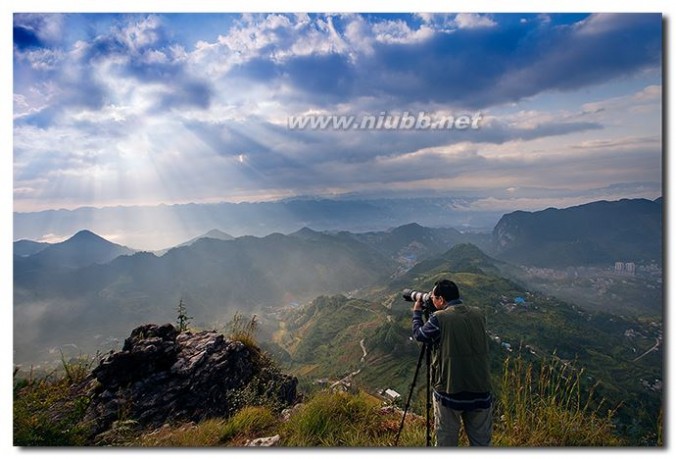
<point>407,244</point>
<point>254,218</point>
<point>25,247</point>
<point>594,233</point>
<point>412,240</point>
<point>82,249</point>
<point>212,234</point>
<point>214,277</point>
<point>215,234</point>
<point>466,258</point>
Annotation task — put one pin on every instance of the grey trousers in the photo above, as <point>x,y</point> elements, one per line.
<point>478,425</point>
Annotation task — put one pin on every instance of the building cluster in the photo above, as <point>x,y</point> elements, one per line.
<point>628,268</point>
<point>519,304</point>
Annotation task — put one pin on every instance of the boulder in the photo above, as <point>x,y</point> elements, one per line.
<point>161,376</point>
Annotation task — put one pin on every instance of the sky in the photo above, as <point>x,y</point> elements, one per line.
<point>150,108</point>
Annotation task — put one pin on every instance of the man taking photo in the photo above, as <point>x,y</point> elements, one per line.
<point>461,380</point>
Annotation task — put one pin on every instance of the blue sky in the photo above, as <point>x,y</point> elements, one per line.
<point>127,109</point>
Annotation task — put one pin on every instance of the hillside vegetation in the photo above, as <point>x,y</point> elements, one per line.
<point>545,408</point>
<point>367,341</point>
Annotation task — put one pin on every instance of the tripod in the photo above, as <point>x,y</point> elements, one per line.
<point>426,351</point>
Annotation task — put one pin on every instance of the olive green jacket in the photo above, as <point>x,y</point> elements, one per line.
<point>460,361</point>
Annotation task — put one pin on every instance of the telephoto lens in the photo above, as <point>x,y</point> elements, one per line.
<point>413,295</point>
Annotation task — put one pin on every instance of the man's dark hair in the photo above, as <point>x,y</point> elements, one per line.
<point>446,289</point>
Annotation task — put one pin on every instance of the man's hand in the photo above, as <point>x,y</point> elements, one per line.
<point>418,306</point>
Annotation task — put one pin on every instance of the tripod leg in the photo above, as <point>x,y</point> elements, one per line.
<point>423,351</point>
<point>428,406</point>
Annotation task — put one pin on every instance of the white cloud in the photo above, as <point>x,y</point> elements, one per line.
<point>648,99</point>
<point>141,34</point>
<point>359,35</point>
<point>399,32</point>
<point>473,21</point>
<point>649,93</point>
<point>43,59</point>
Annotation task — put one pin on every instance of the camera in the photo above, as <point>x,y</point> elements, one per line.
<point>413,295</point>
<point>425,297</point>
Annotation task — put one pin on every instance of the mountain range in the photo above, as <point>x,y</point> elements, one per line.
<point>90,290</point>
<point>594,233</point>
<point>158,227</point>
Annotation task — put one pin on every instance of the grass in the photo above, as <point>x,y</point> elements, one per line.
<point>243,329</point>
<point>536,406</point>
<point>548,407</point>
<point>247,424</point>
<point>48,409</point>
<point>327,420</point>
<point>339,419</point>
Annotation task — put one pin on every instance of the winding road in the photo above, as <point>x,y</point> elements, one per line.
<point>654,348</point>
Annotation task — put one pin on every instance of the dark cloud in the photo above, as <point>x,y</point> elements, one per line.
<point>186,93</point>
<point>257,69</point>
<point>25,38</point>
<point>460,68</point>
<point>478,68</point>
<point>36,30</point>
<point>325,76</point>
<point>103,47</point>
<point>579,56</point>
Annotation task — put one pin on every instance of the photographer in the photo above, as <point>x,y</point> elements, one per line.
<point>460,366</point>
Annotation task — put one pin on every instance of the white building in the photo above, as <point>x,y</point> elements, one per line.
<point>392,395</point>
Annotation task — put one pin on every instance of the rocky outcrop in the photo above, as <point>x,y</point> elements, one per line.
<point>161,375</point>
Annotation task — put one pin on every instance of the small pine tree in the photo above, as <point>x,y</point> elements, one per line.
<point>183,319</point>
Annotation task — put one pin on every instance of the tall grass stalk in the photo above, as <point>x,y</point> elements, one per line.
<point>549,407</point>
<point>243,329</point>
